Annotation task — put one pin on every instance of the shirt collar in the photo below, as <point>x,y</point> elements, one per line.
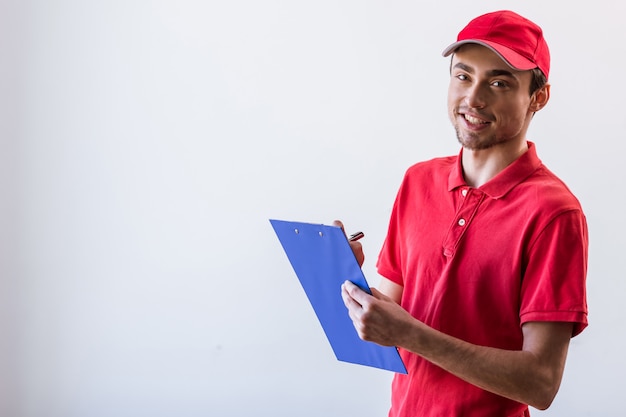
<point>504,182</point>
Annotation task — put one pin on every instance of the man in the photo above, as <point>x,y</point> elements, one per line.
<point>484,265</point>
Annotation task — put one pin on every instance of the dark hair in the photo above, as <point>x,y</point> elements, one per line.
<point>538,80</point>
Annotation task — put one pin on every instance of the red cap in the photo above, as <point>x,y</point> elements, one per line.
<point>516,39</point>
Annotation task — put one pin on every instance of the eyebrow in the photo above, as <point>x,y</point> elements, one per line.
<point>491,73</point>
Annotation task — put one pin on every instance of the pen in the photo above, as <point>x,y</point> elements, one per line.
<point>356,236</point>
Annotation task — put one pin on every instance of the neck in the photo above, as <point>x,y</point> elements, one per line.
<point>480,166</point>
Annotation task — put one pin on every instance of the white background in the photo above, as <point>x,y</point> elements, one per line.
<point>145,144</point>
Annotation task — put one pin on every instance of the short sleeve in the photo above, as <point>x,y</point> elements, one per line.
<point>554,282</point>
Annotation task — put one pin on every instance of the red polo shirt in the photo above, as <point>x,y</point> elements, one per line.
<point>477,263</point>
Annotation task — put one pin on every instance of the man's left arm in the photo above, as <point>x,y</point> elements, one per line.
<point>531,375</point>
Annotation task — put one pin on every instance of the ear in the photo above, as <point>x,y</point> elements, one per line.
<point>540,98</point>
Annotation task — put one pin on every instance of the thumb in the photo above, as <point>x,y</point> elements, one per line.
<point>379,295</point>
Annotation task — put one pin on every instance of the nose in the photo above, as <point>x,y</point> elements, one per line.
<point>476,97</point>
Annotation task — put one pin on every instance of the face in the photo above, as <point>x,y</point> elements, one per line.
<point>488,102</point>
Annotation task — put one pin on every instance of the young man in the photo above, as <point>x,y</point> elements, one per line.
<point>484,264</point>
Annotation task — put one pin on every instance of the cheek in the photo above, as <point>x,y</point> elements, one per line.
<point>511,123</point>
<point>451,113</point>
<point>514,112</point>
<point>452,104</point>
<point>452,93</point>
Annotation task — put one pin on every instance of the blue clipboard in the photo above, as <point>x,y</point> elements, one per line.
<point>322,259</point>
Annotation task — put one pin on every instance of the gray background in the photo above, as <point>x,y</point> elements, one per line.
<point>145,144</point>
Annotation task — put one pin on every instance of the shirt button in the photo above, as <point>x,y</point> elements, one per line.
<point>464,192</point>
<point>461,222</point>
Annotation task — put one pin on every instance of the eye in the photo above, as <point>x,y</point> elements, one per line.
<point>462,77</point>
<point>499,84</point>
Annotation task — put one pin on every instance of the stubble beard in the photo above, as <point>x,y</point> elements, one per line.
<point>475,143</point>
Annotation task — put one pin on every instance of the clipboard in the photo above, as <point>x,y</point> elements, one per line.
<point>322,259</point>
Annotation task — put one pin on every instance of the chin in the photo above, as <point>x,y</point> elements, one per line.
<point>473,142</point>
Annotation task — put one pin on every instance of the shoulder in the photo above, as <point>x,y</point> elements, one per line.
<point>550,191</point>
<point>425,180</point>
<point>547,203</point>
<point>544,188</point>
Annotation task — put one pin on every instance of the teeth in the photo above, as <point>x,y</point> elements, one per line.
<point>474,120</point>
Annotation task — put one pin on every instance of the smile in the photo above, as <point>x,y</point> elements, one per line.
<point>474,120</point>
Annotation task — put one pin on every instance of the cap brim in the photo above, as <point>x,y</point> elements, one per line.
<point>512,58</point>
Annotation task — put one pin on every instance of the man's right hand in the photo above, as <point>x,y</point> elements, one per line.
<point>356,246</point>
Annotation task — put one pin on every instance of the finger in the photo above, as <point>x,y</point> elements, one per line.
<point>354,308</point>
<point>348,300</point>
<point>356,246</point>
<point>357,249</point>
<point>339,223</point>
<point>356,293</point>
<point>377,294</point>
